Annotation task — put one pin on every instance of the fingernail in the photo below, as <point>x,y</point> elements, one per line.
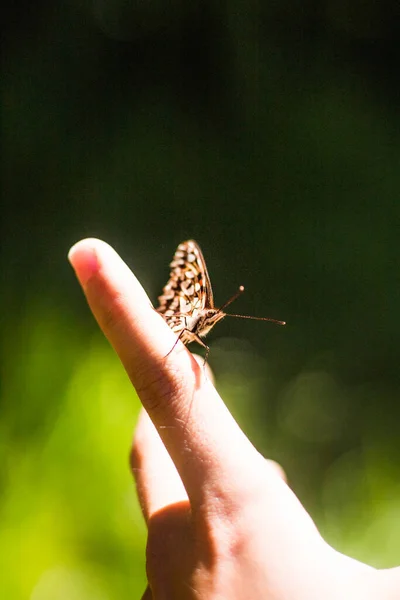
<point>83,259</point>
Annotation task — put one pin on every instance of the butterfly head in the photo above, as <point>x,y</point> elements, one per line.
<point>206,319</point>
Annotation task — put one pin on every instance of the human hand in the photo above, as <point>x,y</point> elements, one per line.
<point>222,522</point>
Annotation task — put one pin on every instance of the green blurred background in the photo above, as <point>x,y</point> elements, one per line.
<point>269,132</point>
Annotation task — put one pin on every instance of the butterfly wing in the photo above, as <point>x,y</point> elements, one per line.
<point>188,291</point>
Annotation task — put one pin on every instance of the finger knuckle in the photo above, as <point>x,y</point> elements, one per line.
<point>158,388</point>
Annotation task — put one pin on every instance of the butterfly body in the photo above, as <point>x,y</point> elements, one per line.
<point>200,324</point>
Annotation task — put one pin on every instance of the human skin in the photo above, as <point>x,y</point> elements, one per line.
<point>222,522</point>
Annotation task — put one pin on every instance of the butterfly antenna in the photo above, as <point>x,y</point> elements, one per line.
<point>240,291</point>
<point>257,318</point>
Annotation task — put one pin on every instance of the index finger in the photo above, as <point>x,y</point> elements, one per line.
<point>202,438</point>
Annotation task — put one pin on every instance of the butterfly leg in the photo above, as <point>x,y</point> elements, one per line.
<point>176,342</point>
<point>198,339</point>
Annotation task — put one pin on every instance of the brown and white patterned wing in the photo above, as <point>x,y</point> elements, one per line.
<point>188,291</point>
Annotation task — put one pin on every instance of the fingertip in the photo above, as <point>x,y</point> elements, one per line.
<point>87,244</point>
<point>84,260</point>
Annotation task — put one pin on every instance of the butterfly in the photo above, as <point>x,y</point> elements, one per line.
<point>187,302</point>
